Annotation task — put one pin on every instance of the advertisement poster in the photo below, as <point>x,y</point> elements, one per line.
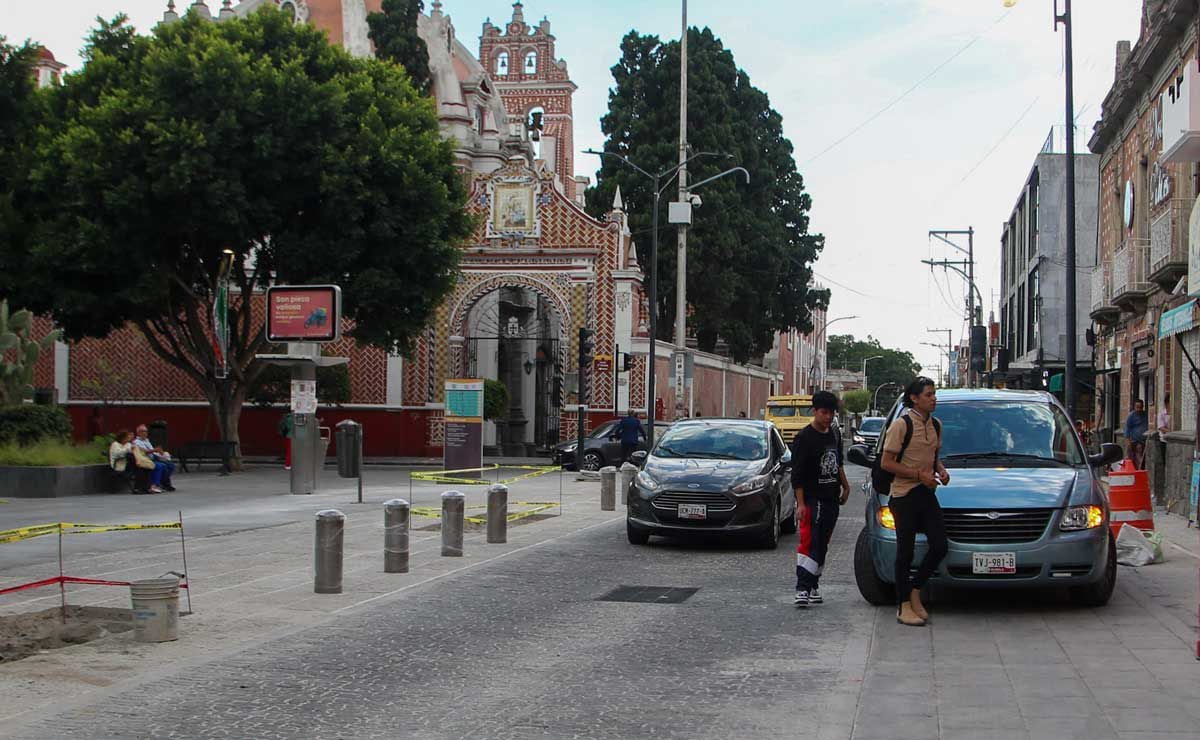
<point>304,396</point>
<point>462,446</point>
<point>304,313</point>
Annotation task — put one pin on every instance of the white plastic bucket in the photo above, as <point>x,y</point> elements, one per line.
<point>155,609</point>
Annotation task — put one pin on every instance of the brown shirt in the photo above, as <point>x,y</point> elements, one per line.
<point>921,453</point>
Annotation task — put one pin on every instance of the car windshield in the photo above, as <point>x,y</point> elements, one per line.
<point>871,426</point>
<point>718,441</point>
<point>604,429</point>
<point>787,411</point>
<point>1006,430</point>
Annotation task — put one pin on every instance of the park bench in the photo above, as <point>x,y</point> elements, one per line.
<point>210,450</point>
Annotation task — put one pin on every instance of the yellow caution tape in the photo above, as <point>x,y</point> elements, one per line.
<point>431,512</point>
<point>39,530</point>
<point>449,476</point>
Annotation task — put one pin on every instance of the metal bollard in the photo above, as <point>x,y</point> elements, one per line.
<point>497,514</point>
<point>395,536</point>
<point>629,471</point>
<point>453,505</point>
<point>608,488</point>
<point>327,561</point>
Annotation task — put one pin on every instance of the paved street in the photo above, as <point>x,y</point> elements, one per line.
<point>512,642</point>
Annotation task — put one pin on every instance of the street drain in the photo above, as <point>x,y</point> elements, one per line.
<point>649,594</point>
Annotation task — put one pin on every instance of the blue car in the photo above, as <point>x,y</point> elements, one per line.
<point>1024,507</point>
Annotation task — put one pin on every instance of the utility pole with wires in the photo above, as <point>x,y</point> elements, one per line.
<point>949,346</point>
<point>965,268</point>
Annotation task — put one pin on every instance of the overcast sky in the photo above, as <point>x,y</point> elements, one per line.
<point>942,105</point>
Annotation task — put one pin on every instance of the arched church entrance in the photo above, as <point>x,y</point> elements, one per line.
<point>513,335</point>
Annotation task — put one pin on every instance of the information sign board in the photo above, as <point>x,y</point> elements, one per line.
<point>462,444</point>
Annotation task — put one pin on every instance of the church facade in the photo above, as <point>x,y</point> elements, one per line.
<point>536,271</point>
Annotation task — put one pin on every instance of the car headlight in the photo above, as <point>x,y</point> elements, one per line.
<point>858,440</point>
<point>643,480</point>
<point>1082,517</point>
<point>757,483</point>
<point>885,518</point>
<point>571,447</point>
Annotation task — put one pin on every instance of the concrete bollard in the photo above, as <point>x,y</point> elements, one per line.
<point>327,560</point>
<point>629,471</point>
<point>497,514</point>
<point>396,518</point>
<point>608,488</point>
<point>453,505</point>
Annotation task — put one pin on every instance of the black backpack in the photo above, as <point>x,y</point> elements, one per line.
<point>881,480</point>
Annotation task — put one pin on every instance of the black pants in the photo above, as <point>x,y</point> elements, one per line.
<point>815,528</point>
<point>627,449</point>
<point>918,511</point>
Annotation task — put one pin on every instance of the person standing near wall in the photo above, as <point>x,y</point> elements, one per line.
<point>1163,425</point>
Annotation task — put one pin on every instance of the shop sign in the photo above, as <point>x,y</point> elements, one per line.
<point>1194,250</point>
<point>1179,319</point>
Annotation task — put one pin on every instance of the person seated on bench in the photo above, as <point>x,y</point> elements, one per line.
<point>163,467</point>
<point>118,451</point>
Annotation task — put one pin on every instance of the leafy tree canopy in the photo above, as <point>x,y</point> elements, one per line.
<point>19,109</point>
<point>750,255</point>
<point>394,33</point>
<point>252,135</point>
<point>894,366</point>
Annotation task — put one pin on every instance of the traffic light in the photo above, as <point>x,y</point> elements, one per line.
<point>626,362</point>
<point>978,348</point>
<point>587,343</point>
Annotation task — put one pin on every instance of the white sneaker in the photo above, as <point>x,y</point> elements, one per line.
<point>802,599</point>
<point>814,596</point>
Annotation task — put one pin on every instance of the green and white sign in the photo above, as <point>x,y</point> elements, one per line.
<point>1178,319</point>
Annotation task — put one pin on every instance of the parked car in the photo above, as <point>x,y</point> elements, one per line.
<point>868,431</point>
<point>719,476</point>
<point>1024,507</point>
<point>598,449</point>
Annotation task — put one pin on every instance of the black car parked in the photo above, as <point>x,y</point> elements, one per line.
<point>720,476</point>
<point>598,449</point>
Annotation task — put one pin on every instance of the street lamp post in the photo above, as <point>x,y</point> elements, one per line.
<point>652,296</point>
<point>864,368</point>
<point>817,343</point>
<point>875,397</point>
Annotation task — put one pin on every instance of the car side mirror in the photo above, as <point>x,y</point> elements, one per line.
<point>1109,453</point>
<point>858,455</point>
<point>639,458</point>
<point>786,458</point>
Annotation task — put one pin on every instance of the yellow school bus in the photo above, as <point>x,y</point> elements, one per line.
<point>789,414</point>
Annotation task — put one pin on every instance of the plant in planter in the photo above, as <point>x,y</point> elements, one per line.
<point>19,352</point>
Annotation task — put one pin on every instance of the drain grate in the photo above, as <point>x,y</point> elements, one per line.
<point>649,594</point>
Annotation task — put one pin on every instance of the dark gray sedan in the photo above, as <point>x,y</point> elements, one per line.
<point>717,476</point>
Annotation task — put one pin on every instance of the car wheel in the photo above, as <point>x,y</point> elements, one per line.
<point>636,535</point>
<point>592,460</point>
<point>788,526</point>
<point>873,588</point>
<point>769,540</point>
<point>1098,593</point>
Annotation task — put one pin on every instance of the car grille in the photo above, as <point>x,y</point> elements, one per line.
<point>973,526</point>
<point>1023,571</point>
<point>670,500</point>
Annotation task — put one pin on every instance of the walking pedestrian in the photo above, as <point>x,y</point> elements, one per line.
<point>820,484</point>
<point>1136,426</point>
<point>628,430</point>
<point>910,453</point>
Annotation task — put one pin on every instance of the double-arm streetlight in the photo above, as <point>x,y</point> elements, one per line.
<point>875,397</point>
<point>660,182</point>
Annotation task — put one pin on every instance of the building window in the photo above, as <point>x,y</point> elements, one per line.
<point>1034,306</point>
<point>502,64</point>
<point>531,63</point>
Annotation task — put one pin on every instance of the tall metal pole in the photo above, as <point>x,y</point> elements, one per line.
<point>1069,370</point>
<point>681,249</point>
<point>652,358</point>
<point>970,305</point>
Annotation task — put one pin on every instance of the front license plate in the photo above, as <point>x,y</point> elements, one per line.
<point>992,563</point>
<point>693,511</point>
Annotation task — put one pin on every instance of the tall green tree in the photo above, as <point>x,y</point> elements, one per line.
<point>20,108</point>
<point>750,255</point>
<point>252,135</point>
<point>893,366</point>
<point>394,33</point>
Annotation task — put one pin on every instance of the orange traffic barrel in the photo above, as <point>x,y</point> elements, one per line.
<point>1129,498</point>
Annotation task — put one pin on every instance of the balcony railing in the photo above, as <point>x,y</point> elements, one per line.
<point>1168,243</point>
<point>1130,270</point>
<point>1101,295</point>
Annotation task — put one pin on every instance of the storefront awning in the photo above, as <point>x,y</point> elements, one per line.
<point>1178,319</point>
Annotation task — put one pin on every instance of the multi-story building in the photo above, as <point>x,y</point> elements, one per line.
<point>800,357</point>
<point>1033,252</point>
<point>1148,140</point>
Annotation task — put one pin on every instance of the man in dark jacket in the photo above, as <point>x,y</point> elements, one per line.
<point>820,484</point>
<point>1136,426</point>
<point>628,430</point>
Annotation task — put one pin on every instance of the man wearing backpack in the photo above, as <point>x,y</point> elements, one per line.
<point>820,484</point>
<point>910,456</point>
